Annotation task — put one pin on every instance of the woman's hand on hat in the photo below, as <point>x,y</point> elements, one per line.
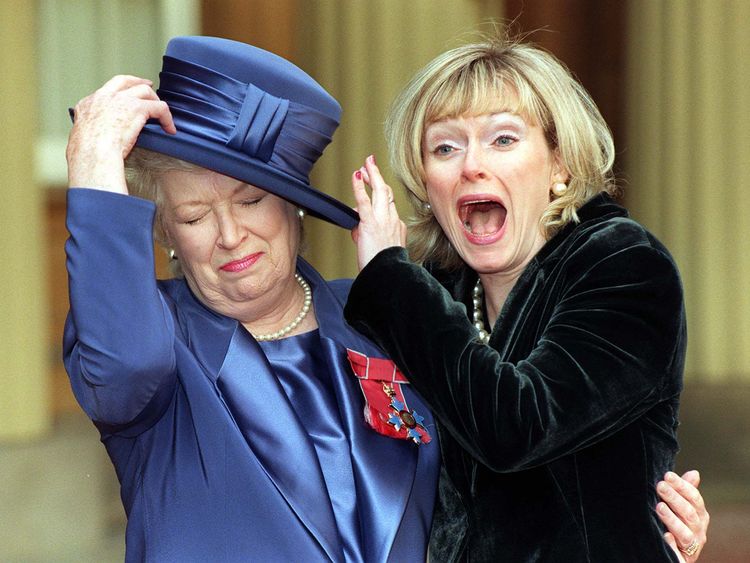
<point>379,227</point>
<point>105,129</point>
<point>684,513</point>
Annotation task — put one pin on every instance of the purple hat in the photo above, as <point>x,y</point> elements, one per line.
<point>249,114</point>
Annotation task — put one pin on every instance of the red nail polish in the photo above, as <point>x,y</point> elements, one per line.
<point>358,174</point>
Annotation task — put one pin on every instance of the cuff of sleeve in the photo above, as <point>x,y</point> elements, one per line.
<point>108,231</point>
<point>114,213</point>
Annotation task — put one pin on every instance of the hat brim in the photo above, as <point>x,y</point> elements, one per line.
<point>224,160</point>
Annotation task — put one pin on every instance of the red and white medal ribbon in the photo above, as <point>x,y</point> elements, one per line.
<point>386,410</point>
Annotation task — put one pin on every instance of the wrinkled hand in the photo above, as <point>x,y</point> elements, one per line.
<point>683,512</point>
<point>379,224</point>
<point>106,126</point>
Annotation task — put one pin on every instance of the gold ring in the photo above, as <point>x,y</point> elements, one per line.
<point>691,549</point>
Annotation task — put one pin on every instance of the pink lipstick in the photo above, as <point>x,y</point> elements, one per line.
<point>241,264</point>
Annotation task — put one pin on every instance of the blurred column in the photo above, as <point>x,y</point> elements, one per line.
<point>688,161</point>
<point>24,361</point>
<point>363,52</point>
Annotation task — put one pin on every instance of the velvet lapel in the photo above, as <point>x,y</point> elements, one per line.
<point>384,468</point>
<point>264,416</point>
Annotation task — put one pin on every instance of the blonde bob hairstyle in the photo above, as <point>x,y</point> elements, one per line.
<point>496,75</point>
<point>143,171</point>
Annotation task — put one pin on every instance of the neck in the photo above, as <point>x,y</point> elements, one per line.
<point>496,287</point>
<point>290,315</point>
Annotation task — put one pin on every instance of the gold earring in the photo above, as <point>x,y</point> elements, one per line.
<point>559,189</point>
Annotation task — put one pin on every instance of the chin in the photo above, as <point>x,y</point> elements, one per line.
<point>484,266</point>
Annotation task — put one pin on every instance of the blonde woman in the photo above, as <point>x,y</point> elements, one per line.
<point>547,333</point>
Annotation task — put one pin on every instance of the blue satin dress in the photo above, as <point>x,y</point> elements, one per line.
<point>302,371</point>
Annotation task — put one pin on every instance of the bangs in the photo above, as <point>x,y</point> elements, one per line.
<point>484,87</point>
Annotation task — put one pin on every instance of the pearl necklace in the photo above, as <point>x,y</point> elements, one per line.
<point>478,299</point>
<point>297,320</point>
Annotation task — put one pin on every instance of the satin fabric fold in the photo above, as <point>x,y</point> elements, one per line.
<point>384,468</point>
<point>213,106</point>
<point>273,432</point>
<point>302,371</point>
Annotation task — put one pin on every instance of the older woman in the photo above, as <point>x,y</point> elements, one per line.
<point>566,372</point>
<point>226,397</point>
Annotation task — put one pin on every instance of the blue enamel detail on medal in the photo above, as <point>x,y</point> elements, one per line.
<point>402,417</point>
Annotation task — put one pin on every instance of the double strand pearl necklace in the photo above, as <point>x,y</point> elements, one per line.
<point>478,299</point>
<point>297,320</point>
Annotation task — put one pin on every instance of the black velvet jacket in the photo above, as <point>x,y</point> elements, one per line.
<point>555,435</point>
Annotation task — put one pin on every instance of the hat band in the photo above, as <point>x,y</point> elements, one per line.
<point>212,106</point>
<point>258,124</point>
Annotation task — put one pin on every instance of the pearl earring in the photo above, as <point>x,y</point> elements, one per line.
<point>300,213</point>
<point>426,207</point>
<point>559,189</point>
<point>172,255</point>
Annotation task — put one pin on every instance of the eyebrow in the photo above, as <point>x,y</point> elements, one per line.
<point>509,113</point>
<point>516,119</point>
<point>240,187</point>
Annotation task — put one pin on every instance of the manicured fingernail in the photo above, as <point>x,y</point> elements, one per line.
<point>671,477</point>
<point>358,174</point>
<point>662,508</point>
<point>372,158</point>
<point>662,487</point>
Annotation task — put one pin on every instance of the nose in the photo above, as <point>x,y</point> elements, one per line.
<point>473,164</point>
<point>231,230</point>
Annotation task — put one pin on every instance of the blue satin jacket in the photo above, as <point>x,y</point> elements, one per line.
<point>214,464</point>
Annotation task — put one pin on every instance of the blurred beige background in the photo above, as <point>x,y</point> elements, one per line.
<point>671,76</point>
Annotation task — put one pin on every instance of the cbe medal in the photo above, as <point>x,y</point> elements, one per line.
<point>386,410</point>
<point>401,416</point>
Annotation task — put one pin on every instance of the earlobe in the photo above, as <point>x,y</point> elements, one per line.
<point>560,174</point>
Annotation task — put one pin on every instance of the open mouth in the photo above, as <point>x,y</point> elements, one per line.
<point>482,218</point>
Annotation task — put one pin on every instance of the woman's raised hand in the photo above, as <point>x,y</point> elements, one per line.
<point>379,224</point>
<point>106,126</point>
<point>684,514</point>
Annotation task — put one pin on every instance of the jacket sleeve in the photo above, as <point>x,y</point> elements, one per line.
<point>119,336</point>
<point>615,330</point>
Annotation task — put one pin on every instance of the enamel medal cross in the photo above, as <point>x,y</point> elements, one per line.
<point>386,410</point>
<point>403,417</point>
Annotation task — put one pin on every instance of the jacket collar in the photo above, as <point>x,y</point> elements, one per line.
<point>597,209</point>
<point>382,491</point>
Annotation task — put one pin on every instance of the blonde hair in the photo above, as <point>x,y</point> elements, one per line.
<point>499,74</point>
